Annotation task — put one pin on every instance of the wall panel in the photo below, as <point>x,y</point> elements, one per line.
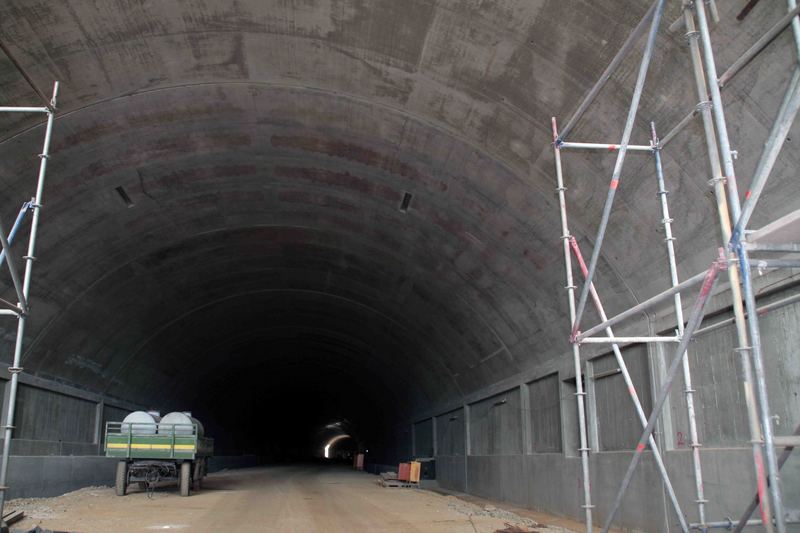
<point>450,433</point>
<point>495,425</point>
<point>423,438</point>
<point>617,424</point>
<point>545,414</point>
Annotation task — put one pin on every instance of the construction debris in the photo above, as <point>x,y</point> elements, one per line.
<point>37,529</point>
<point>515,529</point>
<point>13,517</point>
<point>391,479</point>
<point>512,520</point>
<point>47,508</point>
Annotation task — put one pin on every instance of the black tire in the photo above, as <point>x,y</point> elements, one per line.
<point>198,475</point>
<point>186,478</point>
<point>121,483</point>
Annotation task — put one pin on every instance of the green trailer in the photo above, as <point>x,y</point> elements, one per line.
<point>167,452</point>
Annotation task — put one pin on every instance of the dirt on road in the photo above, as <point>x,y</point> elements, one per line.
<point>299,499</point>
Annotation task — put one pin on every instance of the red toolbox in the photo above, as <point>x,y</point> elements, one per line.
<point>403,471</point>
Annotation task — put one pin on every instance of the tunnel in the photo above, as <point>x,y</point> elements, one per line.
<point>310,218</point>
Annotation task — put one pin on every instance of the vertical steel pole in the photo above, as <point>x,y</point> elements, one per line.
<point>576,351</point>
<point>754,503</point>
<point>756,439</point>
<point>696,316</point>
<point>761,388</point>
<point>718,110</point>
<point>626,376</point>
<point>752,321</point>
<point>615,176</point>
<point>687,374</point>
<point>15,369</point>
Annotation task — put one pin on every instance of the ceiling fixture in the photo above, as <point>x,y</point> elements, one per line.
<point>405,202</point>
<point>124,195</point>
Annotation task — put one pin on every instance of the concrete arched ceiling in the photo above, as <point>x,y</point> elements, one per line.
<point>267,145</point>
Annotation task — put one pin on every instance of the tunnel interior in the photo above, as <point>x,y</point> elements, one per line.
<point>287,215</point>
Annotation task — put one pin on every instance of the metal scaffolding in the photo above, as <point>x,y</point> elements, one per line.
<point>734,258</point>
<point>20,310</point>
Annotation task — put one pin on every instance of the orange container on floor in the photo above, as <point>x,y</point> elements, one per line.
<point>413,472</point>
<point>403,471</point>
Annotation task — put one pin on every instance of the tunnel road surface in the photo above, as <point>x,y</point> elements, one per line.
<point>301,499</point>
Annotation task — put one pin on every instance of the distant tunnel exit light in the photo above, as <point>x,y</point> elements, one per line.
<point>331,442</point>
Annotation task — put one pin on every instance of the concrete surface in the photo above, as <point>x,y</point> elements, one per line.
<point>286,499</point>
<point>264,276</point>
<point>286,134</point>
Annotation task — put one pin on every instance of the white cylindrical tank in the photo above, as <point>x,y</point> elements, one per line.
<point>165,427</point>
<point>139,423</point>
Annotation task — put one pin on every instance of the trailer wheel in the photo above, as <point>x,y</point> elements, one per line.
<point>186,478</point>
<point>198,475</point>
<point>121,484</point>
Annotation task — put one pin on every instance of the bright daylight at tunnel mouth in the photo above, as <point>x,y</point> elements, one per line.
<point>482,266</point>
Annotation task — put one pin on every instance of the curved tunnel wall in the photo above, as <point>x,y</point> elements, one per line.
<point>265,263</point>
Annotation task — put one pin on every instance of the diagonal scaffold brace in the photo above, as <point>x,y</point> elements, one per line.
<point>615,177</point>
<point>626,376</point>
<point>695,318</point>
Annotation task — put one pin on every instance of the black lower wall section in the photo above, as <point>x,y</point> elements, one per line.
<point>215,464</point>
<point>43,476</point>
<point>552,483</point>
<point>451,472</point>
<point>375,468</point>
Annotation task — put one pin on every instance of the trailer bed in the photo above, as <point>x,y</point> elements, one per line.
<point>173,442</point>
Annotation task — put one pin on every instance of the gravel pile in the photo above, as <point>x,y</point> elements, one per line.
<point>43,508</point>
<point>491,511</point>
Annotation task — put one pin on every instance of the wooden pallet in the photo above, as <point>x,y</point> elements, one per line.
<point>13,517</point>
<point>398,483</point>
